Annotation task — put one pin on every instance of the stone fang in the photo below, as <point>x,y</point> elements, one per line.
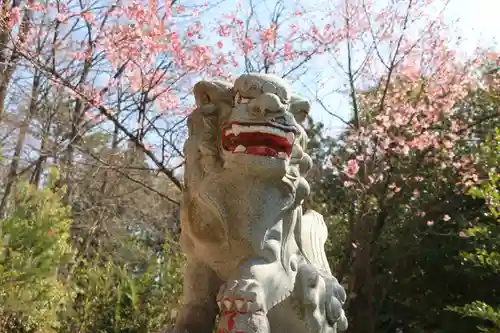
<point>238,129</point>
<point>240,149</point>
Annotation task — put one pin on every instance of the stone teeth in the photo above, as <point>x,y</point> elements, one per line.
<point>240,149</point>
<point>282,155</point>
<point>290,137</point>
<point>236,129</point>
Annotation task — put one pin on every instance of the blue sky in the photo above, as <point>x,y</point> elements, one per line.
<point>478,19</point>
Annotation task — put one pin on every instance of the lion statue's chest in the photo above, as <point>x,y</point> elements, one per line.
<point>232,216</point>
<point>247,201</point>
<point>235,205</point>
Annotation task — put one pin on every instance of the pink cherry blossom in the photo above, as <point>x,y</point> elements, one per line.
<point>352,168</point>
<point>14,17</point>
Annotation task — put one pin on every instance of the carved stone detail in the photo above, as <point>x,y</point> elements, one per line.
<point>253,256</point>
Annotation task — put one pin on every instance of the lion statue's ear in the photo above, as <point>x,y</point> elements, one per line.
<point>212,92</point>
<point>299,107</point>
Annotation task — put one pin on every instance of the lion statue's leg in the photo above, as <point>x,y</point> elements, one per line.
<point>199,308</point>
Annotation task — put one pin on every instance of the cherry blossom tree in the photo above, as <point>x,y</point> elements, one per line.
<point>129,65</point>
<point>405,96</point>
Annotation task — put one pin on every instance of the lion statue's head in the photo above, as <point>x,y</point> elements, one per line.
<point>252,127</point>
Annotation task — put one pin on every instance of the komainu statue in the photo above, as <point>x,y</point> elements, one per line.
<point>255,259</point>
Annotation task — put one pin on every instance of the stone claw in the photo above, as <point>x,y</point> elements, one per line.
<point>323,298</point>
<point>228,305</point>
<point>242,304</point>
<point>243,295</point>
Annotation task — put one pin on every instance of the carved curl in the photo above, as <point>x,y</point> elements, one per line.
<point>201,149</point>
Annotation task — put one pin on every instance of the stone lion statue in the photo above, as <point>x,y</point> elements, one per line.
<point>255,259</point>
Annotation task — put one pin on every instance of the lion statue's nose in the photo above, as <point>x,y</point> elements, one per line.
<point>268,105</point>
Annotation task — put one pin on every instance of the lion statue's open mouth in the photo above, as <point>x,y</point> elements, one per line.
<point>260,139</point>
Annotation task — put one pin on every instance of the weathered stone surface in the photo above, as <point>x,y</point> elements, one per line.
<point>254,257</point>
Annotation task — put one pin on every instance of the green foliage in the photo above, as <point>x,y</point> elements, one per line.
<point>34,246</point>
<point>417,270</point>
<point>484,311</point>
<point>487,236</point>
<point>131,298</point>
<point>47,286</point>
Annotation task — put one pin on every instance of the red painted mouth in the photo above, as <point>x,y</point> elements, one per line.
<point>258,139</point>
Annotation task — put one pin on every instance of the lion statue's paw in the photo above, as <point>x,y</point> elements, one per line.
<point>242,307</point>
<point>242,295</point>
<point>336,297</point>
<point>322,297</point>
